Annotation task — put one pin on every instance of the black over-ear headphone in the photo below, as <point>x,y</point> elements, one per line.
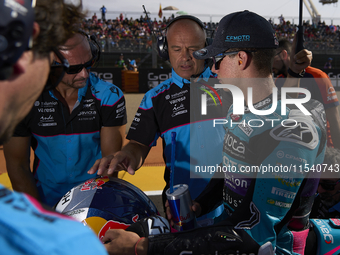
<point>16,26</point>
<point>162,44</point>
<point>94,46</point>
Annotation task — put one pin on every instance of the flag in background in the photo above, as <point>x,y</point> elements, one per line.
<point>160,13</point>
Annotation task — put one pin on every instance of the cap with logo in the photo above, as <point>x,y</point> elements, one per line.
<point>240,30</point>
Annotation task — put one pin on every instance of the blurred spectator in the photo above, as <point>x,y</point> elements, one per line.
<point>94,17</point>
<point>121,62</point>
<point>327,203</point>
<point>103,11</point>
<point>282,20</point>
<point>133,64</point>
<point>328,64</point>
<point>317,36</point>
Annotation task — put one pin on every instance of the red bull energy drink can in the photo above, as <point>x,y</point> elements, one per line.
<point>180,203</point>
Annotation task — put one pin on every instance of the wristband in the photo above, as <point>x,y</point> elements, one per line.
<point>137,244</point>
<point>296,75</point>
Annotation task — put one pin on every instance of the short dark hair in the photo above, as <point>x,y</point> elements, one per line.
<point>285,44</point>
<point>58,21</point>
<point>332,156</point>
<point>262,58</point>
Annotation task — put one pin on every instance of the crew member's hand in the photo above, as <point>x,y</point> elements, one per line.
<point>301,60</point>
<point>118,241</point>
<point>106,166</point>
<point>196,207</point>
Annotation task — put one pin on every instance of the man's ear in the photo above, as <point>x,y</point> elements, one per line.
<point>36,30</point>
<point>284,54</point>
<point>243,59</point>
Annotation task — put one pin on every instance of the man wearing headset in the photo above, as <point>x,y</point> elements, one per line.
<point>26,227</point>
<point>69,127</point>
<point>165,109</point>
<point>271,214</point>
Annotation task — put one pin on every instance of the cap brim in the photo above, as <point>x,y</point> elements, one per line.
<point>208,52</point>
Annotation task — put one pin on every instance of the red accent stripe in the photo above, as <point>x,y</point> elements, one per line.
<point>38,206</point>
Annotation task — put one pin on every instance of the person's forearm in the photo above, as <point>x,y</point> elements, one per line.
<point>23,181</point>
<point>138,151</point>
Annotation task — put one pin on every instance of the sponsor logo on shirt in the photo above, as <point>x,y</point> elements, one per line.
<point>246,129</point>
<point>283,193</point>
<point>47,121</point>
<point>278,203</point>
<point>178,110</point>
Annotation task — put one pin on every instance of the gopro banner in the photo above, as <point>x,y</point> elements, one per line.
<point>334,75</point>
<point>112,75</point>
<point>150,78</point>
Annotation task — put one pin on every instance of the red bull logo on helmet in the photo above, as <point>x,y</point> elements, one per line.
<point>111,224</point>
<point>94,183</point>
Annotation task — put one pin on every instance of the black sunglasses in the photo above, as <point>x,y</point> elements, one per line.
<point>330,186</point>
<point>57,72</point>
<point>74,69</point>
<point>218,58</point>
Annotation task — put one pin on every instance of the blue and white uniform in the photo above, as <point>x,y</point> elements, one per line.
<point>26,228</point>
<point>166,109</point>
<point>65,144</point>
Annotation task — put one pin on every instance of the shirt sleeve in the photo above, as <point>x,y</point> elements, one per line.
<point>113,109</point>
<point>144,127</point>
<point>22,129</point>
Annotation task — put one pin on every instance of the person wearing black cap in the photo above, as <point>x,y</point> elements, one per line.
<point>267,215</point>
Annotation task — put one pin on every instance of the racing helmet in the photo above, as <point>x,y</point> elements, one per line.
<point>106,203</point>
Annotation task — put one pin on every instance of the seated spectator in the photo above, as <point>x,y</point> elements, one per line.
<point>327,202</point>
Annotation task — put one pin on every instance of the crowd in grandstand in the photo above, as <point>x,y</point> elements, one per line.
<point>135,34</point>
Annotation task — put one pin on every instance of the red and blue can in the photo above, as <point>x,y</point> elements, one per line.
<point>180,205</point>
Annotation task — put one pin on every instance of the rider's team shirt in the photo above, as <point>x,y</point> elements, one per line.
<point>266,190</point>
<point>166,109</point>
<point>321,89</point>
<point>26,228</point>
<point>67,144</point>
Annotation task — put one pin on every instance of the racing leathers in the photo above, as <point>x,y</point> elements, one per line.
<point>269,188</point>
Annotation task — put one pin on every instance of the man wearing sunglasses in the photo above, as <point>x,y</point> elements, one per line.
<point>69,127</point>
<point>319,85</point>
<point>25,226</point>
<point>267,210</point>
<point>327,203</point>
<point>165,109</point>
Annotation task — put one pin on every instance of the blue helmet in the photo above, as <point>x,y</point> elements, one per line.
<point>106,203</point>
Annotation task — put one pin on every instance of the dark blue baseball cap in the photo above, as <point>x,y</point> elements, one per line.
<point>240,30</point>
